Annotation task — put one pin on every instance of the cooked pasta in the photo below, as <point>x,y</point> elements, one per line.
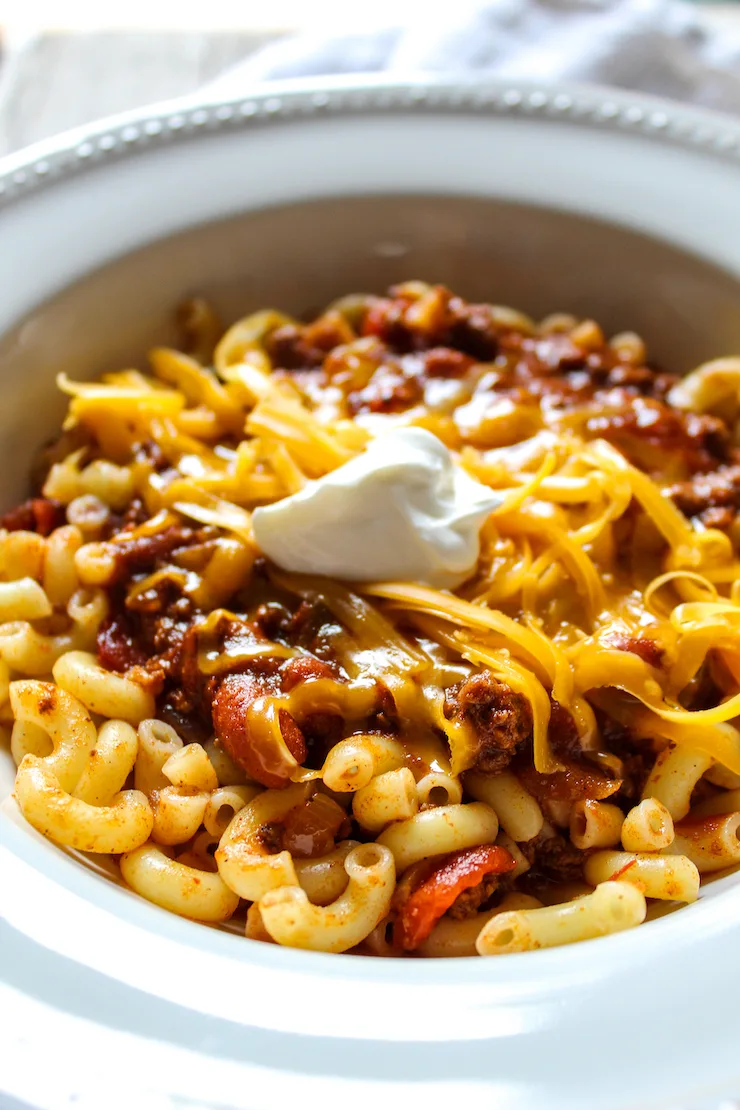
<point>514,756</point>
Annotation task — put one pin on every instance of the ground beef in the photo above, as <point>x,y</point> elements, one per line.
<point>321,732</point>
<point>273,619</point>
<point>553,858</point>
<point>473,331</point>
<point>440,334</point>
<point>142,552</point>
<point>647,429</point>
<point>190,727</point>
<point>562,733</point>
<point>577,781</point>
<point>399,381</point>
<point>290,350</point>
<point>270,837</point>
<point>637,757</point>
<point>445,362</point>
<point>396,385</point>
<point>117,644</point>
<point>311,627</point>
<point>38,514</point>
<point>501,719</point>
<point>713,499</point>
<point>471,900</point>
<point>135,514</point>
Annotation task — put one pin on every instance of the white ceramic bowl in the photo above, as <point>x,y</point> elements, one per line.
<point>576,199</point>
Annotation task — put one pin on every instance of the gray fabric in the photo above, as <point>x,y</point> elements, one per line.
<point>657,46</point>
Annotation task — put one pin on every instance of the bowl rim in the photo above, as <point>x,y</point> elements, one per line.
<point>111,138</point>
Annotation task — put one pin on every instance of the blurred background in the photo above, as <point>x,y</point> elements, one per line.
<point>65,62</point>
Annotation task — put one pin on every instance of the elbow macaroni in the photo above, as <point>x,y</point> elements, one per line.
<point>673,778</point>
<point>457,938</point>
<point>292,920</point>
<point>595,824</point>
<point>518,812</point>
<point>227,772</point>
<point>712,844</point>
<point>177,887</point>
<point>443,829</point>
<point>66,722</point>
<point>648,827</point>
<point>22,555</point>
<point>352,763</point>
<point>27,738</point>
<point>157,743</point>
<point>119,827</point>
<point>30,652</point>
<point>387,797</point>
<point>223,803</point>
<point>438,788</point>
<point>60,574</point>
<point>191,767</point>
<point>23,600</point>
<point>325,878</point>
<point>612,907</point>
<point>673,878</point>
<point>109,763</point>
<point>244,860</point>
<point>177,814</point>
<point>110,695</point>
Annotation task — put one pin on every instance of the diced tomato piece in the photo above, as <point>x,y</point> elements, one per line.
<point>458,872</point>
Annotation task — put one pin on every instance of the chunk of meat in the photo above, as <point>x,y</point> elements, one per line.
<point>471,900</point>
<point>117,645</point>
<point>648,650</point>
<point>258,752</point>
<point>445,362</point>
<point>553,858</point>
<point>472,330</point>
<point>272,618</point>
<point>38,514</point>
<point>712,498</point>
<point>290,349</point>
<point>393,387</point>
<point>562,732</point>
<point>310,627</point>
<point>192,680</point>
<point>191,728</point>
<point>636,756</point>
<point>648,431</point>
<point>500,718</point>
<point>270,837</point>
<point>573,784</point>
<point>455,874</point>
<point>321,732</point>
<point>141,552</point>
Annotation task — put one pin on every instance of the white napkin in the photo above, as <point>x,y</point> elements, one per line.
<point>657,46</point>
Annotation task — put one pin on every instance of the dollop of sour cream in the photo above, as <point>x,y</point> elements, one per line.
<point>403,510</point>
